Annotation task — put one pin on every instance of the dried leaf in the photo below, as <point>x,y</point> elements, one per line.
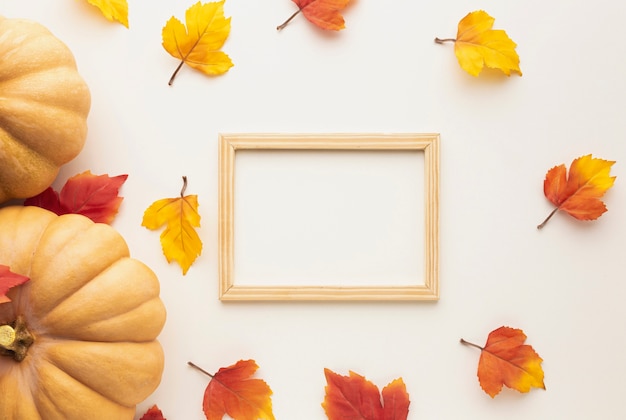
<point>478,45</point>
<point>325,14</point>
<point>113,9</point>
<point>395,401</point>
<point>579,193</point>
<point>232,391</point>
<point>506,360</point>
<point>198,45</point>
<point>93,196</point>
<point>153,413</point>
<point>180,241</point>
<point>9,279</point>
<point>354,397</point>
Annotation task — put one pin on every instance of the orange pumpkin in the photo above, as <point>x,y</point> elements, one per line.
<point>85,324</point>
<point>44,104</point>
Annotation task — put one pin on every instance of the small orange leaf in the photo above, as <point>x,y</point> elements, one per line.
<point>180,241</point>
<point>93,196</point>
<point>354,397</point>
<point>199,43</point>
<point>9,279</point>
<point>506,360</point>
<point>478,45</point>
<point>153,413</point>
<point>579,193</point>
<point>325,14</point>
<point>232,391</point>
<point>113,9</point>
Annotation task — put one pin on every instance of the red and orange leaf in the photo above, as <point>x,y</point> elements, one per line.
<point>232,391</point>
<point>354,397</point>
<point>180,241</point>
<point>9,279</point>
<point>325,14</point>
<point>93,196</point>
<point>153,413</point>
<point>579,193</point>
<point>48,199</point>
<point>506,360</point>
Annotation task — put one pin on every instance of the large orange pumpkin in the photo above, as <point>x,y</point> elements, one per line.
<point>86,322</point>
<point>44,104</point>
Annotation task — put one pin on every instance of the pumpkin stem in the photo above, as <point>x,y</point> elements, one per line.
<point>15,340</point>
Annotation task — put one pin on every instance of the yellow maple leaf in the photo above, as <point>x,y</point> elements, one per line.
<point>478,45</point>
<point>199,43</point>
<point>113,9</point>
<point>179,240</point>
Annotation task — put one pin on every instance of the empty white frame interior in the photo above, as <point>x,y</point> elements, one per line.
<point>328,217</point>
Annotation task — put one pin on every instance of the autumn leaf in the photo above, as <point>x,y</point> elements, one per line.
<point>325,14</point>
<point>179,240</point>
<point>113,9</point>
<point>199,43</point>
<point>354,397</point>
<point>579,193</point>
<point>8,279</point>
<point>93,196</point>
<point>506,360</point>
<point>232,391</point>
<point>153,413</point>
<point>478,45</point>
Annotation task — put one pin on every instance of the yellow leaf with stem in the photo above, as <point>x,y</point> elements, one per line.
<point>477,45</point>
<point>199,43</point>
<point>179,240</point>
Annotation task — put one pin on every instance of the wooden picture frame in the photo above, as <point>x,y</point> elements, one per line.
<point>229,144</point>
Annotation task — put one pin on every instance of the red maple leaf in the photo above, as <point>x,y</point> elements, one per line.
<point>9,279</point>
<point>153,413</point>
<point>354,397</point>
<point>93,196</point>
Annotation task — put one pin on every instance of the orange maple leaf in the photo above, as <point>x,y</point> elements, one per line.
<point>352,397</point>
<point>325,14</point>
<point>579,193</point>
<point>506,360</point>
<point>180,241</point>
<point>199,43</point>
<point>232,391</point>
<point>478,45</point>
<point>9,279</point>
<point>93,196</point>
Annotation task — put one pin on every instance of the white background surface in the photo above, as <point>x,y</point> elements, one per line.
<point>564,285</point>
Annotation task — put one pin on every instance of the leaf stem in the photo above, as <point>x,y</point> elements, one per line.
<point>15,340</point>
<point>467,343</point>
<point>199,368</point>
<point>442,40</point>
<point>175,73</point>
<point>547,218</point>
<point>7,336</point>
<point>182,190</point>
<point>285,23</point>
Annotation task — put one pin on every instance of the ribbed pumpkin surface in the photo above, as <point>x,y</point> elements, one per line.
<point>94,314</point>
<point>44,104</point>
